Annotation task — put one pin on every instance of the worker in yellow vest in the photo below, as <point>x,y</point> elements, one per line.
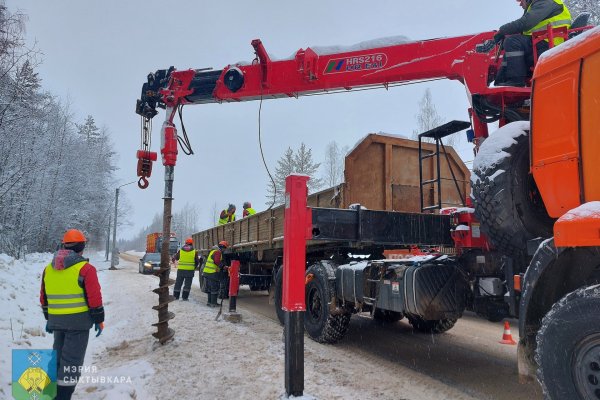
<point>214,272</point>
<point>518,56</point>
<point>71,300</point>
<point>227,215</point>
<point>248,210</point>
<point>188,262</point>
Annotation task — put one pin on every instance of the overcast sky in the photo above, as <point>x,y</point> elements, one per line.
<point>97,54</point>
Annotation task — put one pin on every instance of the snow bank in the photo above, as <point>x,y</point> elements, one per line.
<point>22,324</point>
<point>492,149</point>
<point>584,211</point>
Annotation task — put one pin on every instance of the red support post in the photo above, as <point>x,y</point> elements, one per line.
<point>234,284</point>
<point>296,228</point>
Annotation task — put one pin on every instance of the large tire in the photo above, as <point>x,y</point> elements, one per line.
<point>387,315</point>
<point>319,323</point>
<point>278,295</point>
<point>568,347</point>
<point>435,326</point>
<point>506,199</point>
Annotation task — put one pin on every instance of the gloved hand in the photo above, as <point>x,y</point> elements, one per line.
<point>99,327</point>
<point>498,37</point>
<point>48,329</point>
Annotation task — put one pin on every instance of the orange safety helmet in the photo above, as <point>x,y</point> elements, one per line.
<point>223,243</point>
<point>74,236</point>
<point>189,241</point>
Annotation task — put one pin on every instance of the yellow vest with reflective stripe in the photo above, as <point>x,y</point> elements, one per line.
<point>562,19</point>
<point>229,218</point>
<point>187,260</point>
<point>63,292</point>
<point>210,267</point>
<point>250,211</point>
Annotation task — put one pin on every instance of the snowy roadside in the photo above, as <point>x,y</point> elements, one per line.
<point>208,359</point>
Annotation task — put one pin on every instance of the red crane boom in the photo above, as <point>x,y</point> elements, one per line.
<point>471,59</point>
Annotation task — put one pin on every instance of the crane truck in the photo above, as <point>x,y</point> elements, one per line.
<point>535,191</point>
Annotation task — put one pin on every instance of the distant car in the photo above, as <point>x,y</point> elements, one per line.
<point>149,263</point>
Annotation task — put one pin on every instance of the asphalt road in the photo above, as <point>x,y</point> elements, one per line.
<point>467,357</point>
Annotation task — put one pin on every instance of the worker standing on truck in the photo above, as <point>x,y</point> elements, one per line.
<point>71,300</point>
<point>518,56</point>
<point>227,215</point>
<point>214,272</point>
<point>188,262</point>
<point>248,210</point>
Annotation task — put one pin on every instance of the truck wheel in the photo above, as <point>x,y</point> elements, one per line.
<point>387,315</point>
<point>319,323</point>
<point>435,326</point>
<point>572,326</point>
<point>507,202</point>
<point>278,293</point>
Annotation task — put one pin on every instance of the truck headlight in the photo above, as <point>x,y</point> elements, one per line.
<point>147,265</point>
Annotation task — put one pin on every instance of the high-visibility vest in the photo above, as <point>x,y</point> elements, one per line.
<point>63,292</point>
<point>250,211</point>
<point>562,19</point>
<point>210,267</point>
<point>229,218</point>
<point>187,260</point>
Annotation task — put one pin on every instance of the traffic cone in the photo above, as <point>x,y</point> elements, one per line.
<point>507,336</point>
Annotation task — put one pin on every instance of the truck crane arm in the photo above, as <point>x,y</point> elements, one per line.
<point>313,71</point>
<point>471,59</point>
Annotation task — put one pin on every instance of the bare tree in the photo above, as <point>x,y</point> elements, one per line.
<point>428,118</point>
<point>333,164</point>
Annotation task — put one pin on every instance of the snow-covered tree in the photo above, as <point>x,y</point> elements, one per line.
<point>51,177</point>
<point>577,7</point>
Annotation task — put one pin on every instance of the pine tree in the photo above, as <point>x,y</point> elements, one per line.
<point>285,166</point>
<point>299,162</point>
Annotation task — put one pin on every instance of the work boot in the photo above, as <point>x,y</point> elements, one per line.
<point>185,295</point>
<point>64,392</point>
<point>176,295</point>
<point>213,300</point>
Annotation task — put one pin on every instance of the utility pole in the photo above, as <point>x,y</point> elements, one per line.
<point>115,257</point>
<point>108,239</point>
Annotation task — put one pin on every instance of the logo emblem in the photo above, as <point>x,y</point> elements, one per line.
<point>363,62</point>
<point>34,374</point>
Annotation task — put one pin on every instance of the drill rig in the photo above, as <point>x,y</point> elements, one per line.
<point>474,60</point>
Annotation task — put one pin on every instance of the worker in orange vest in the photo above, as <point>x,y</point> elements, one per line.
<point>71,300</point>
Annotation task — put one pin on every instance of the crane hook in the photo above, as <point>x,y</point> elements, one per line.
<point>143,182</point>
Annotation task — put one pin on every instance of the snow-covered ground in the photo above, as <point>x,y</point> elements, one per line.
<point>208,359</point>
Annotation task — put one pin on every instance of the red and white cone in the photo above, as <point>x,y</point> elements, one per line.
<point>507,336</point>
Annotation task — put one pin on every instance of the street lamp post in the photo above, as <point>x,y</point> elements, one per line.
<point>114,257</point>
